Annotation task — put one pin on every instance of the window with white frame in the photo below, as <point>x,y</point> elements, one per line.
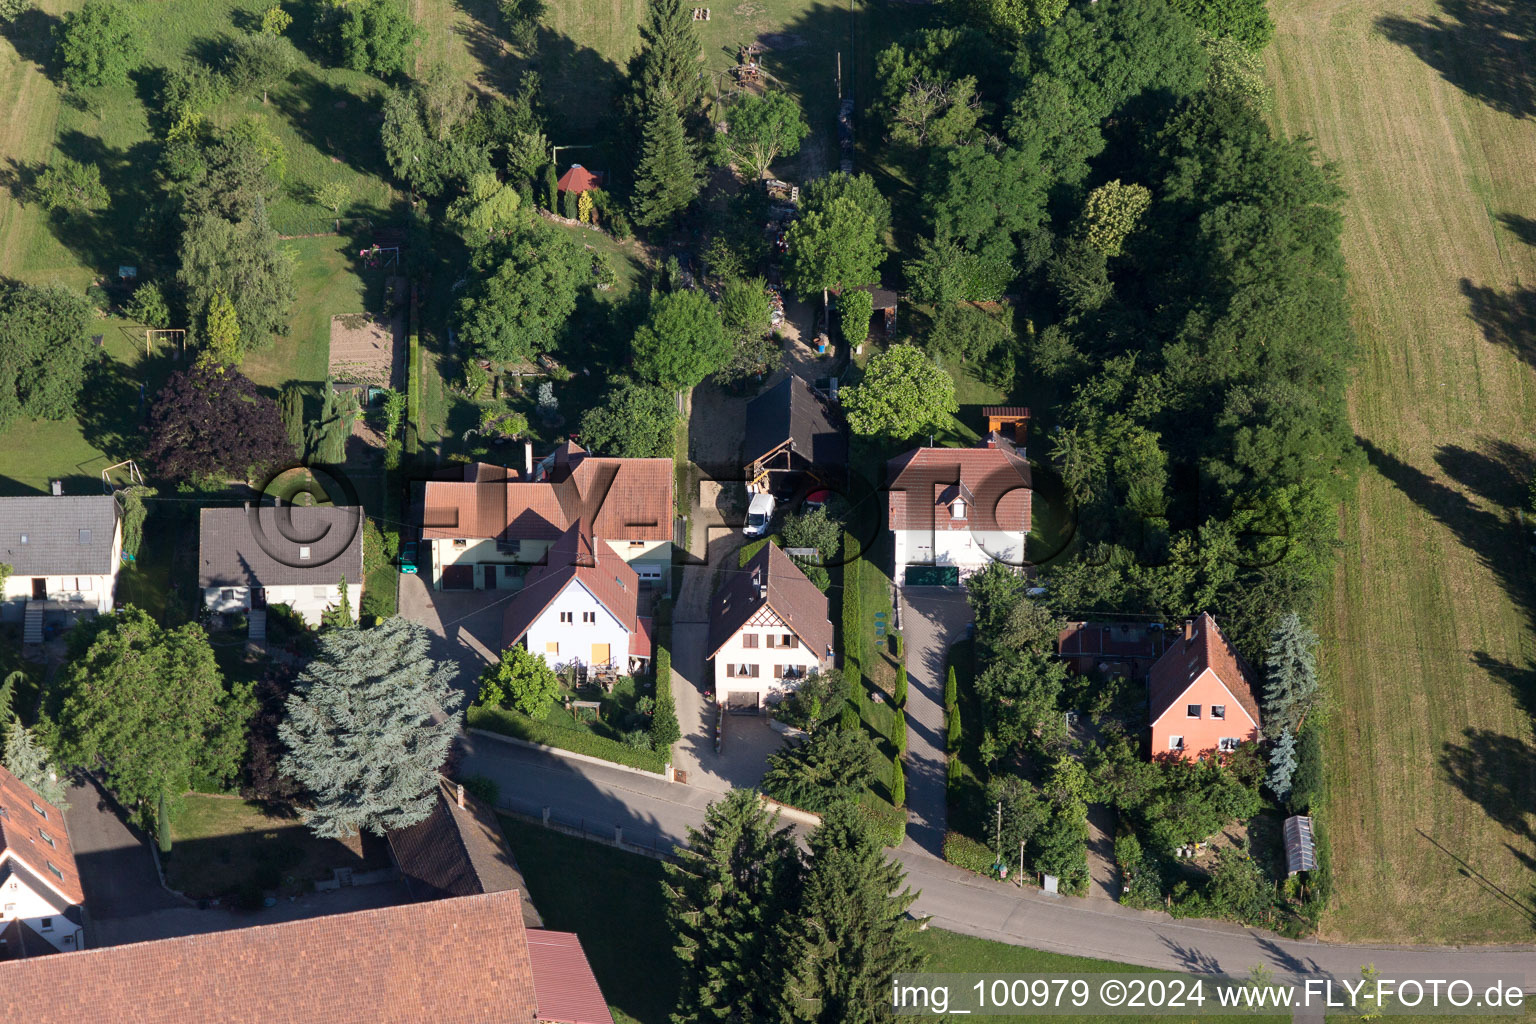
<point>1218,711</point>
<point>567,616</point>
<point>1227,744</point>
<point>1175,742</point>
<point>1192,711</point>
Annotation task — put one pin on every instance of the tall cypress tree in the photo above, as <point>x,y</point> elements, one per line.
<point>852,933</point>
<point>369,727</point>
<point>666,68</point>
<point>667,177</point>
<point>1290,672</point>
<point>736,880</point>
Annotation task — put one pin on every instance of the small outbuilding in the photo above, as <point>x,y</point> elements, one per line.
<point>1300,850</point>
<point>793,435</point>
<point>578,179</point>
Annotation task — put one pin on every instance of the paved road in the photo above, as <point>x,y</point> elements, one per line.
<point>654,812</point>
<point>932,618</point>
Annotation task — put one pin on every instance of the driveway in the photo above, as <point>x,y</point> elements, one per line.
<point>117,869</point>
<point>465,624</point>
<point>932,618</point>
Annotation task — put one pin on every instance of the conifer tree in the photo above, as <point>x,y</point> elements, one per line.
<point>737,878</point>
<point>340,615</point>
<point>666,69</point>
<point>368,728</point>
<point>1282,766</point>
<point>666,179</point>
<point>27,759</point>
<point>852,934</point>
<point>1290,672</point>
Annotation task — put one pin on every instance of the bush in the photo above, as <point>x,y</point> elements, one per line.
<point>1307,782</point>
<point>899,698</point>
<point>148,306</point>
<point>664,728</point>
<point>522,680</point>
<point>637,739</point>
<point>886,823</point>
<point>580,741</point>
<point>965,852</point>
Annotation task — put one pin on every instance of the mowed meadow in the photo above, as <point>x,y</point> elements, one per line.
<point>1426,107</point>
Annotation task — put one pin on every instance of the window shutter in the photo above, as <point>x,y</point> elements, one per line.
<point>754,670</point>
<point>730,671</point>
<point>770,640</point>
<point>778,671</point>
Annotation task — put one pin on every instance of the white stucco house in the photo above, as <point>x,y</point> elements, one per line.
<point>580,607</point>
<point>257,556</point>
<point>484,532</point>
<point>768,629</point>
<point>64,552</point>
<point>40,894</point>
<point>958,509</point>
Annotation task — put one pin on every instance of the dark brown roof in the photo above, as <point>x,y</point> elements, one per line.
<point>617,499</point>
<point>792,411</point>
<point>1097,639</point>
<point>771,578</point>
<point>459,851</point>
<point>1200,646</point>
<point>459,961</point>
<point>563,979</point>
<point>25,819</point>
<point>994,481</point>
<point>573,559</point>
<point>267,546</point>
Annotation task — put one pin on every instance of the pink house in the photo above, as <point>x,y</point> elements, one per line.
<point>1203,695</point>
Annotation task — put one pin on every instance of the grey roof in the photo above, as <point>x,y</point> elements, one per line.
<point>63,534</point>
<point>792,411</point>
<point>269,546</point>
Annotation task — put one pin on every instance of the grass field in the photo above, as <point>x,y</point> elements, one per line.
<point>1426,108</point>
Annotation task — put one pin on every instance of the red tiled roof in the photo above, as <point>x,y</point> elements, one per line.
<point>21,836</point>
<point>1194,649</point>
<point>574,558</point>
<point>621,499</point>
<point>457,961</point>
<point>771,578</point>
<point>563,979</point>
<point>578,179</point>
<point>640,643</point>
<point>994,482</point>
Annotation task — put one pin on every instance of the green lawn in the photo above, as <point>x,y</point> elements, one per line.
<point>226,847</point>
<point>1428,640</point>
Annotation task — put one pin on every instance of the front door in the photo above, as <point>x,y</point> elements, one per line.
<point>490,577</point>
<point>602,654</point>
<point>39,588</point>
<point>258,597</point>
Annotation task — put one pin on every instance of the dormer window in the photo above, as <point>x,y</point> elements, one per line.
<point>957,509</point>
<point>23,538</point>
<point>39,810</point>
<point>304,553</point>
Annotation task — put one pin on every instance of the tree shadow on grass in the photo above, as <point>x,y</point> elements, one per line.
<point>34,35</point>
<point>1505,318</point>
<point>1523,228</point>
<point>1483,47</point>
<point>334,120</point>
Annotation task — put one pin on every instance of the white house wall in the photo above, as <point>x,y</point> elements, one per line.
<point>735,652</point>
<point>970,550</point>
<point>656,554</point>
<point>92,591</point>
<point>576,638</point>
<point>309,601</point>
<point>18,900</point>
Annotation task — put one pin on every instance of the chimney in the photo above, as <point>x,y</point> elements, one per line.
<point>461,796</point>
<point>57,487</point>
<point>528,458</point>
<point>1189,630</point>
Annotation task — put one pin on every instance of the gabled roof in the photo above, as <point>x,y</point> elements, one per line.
<point>458,851</point>
<point>574,560</point>
<point>25,819</point>
<point>273,546</point>
<point>1198,647</point>
<point>458,961</point>
<point>773,579</point>
<point>59,535</point>
<point>567,989</point>
<point>924,480</point>
<point>618,499</point>
<point>792,411</point>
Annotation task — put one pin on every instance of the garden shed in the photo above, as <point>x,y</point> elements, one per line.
<point>1300,852</point>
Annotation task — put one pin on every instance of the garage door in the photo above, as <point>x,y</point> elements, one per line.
<point>739,702</point>
<point>458,577</point>
<point>933,575</point>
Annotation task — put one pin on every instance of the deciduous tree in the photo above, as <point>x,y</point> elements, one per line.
<point>835,247</point>
<point>368,729</point>
<point>1112,213</point>
<point>762,129</point>
<point>635,421</point>
<point>522,289</point>
<point>261,60</point>
<point>210,422</point>
<point>901,394</point>
<point>99,44</point>
<point>746,314</point>
<point>490,209</point>
<point>46,348</point>
<point>242,259</point>
<point>70,185</point>
<point>521,680</point>
<point>855,309</point>
<point>682,341</point>
<point>376,36</point>
<point>148,709</point>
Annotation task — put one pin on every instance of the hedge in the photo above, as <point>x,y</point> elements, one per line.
<point>518,725</point>
<point>965,852</point>
<point>413,383</point>
<point>889,824</point>
<point>664,728</point>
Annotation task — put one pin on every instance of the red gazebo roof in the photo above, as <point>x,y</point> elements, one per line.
<point>578,179</point>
